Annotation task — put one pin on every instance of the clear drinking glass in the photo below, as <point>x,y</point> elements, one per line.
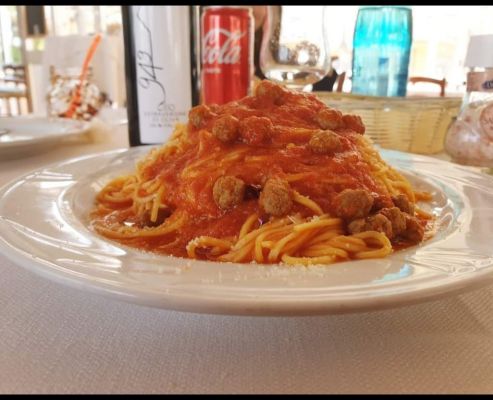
<point>63,84</point>
<point>294,50</point>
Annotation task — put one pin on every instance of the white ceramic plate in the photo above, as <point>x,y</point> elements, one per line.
<point>44,227</point>
<point>113,116</point>
<point>27,135</point>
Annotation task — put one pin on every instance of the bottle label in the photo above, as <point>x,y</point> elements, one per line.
<point>480,81</point>
<point>162,57</point>
<point>213,52</point>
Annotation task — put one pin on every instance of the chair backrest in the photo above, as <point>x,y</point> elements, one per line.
<point>15,70</point>
<point>332,82</point>
<point>340,81</point>
<point>16,87</point>
<point>440,82</point>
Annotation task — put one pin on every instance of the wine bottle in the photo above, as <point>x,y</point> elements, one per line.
<point>161,69</point>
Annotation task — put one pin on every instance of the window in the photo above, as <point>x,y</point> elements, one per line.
<point>11,44</point>
<point>81,20</point>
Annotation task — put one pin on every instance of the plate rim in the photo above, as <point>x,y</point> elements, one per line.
<point>46,139</point>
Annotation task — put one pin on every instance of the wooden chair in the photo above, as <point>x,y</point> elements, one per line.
<point>13,85</point>
<point>441,82</point>
<point>340,81</point>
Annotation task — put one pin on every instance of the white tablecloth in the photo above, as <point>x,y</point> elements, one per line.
<point>55,339</point>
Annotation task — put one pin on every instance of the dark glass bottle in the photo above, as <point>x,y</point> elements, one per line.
<point>161,69</point>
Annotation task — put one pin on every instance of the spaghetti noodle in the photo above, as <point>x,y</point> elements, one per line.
<point>277,177</point>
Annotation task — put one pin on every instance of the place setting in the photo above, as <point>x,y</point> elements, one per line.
<point>250,169</point>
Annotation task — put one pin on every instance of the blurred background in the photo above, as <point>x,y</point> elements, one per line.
<point>34,39</point>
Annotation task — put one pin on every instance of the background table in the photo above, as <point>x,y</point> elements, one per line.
<point>55,339</point>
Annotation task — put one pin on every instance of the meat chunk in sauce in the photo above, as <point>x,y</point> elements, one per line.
<point>162,214</point>
<point>354,122</point>
<point>380,202</point>
<point>328,118</point>
<point>255,130</point>
<point>380,223</point>
<point>352,204</point>
<point>402,202</point>
<point>392,222</point>
<point>226,128</point>
<point>198,115</point>
<point>275,198</point>
<point>325,142</point>
<point>228,191</point>
<point>269,91</point>
<point>414,230</point>
<point>377,222</point>
<point>357,226</point>
<point>396,217</point>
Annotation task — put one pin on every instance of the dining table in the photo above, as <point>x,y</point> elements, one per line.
<point>57,339</point>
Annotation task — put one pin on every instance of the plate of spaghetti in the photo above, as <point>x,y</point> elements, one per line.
<point>275,204</point>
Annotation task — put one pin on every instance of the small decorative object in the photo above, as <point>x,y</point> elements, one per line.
<point>64,85</point>
<point>72,94</point>
<point>469,139</point>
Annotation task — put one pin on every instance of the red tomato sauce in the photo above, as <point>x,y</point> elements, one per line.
<point>264,153</point>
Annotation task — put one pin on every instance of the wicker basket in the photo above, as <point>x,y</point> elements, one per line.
<point>412,124</point>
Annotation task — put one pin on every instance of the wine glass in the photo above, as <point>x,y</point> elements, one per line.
<point>294,50</point>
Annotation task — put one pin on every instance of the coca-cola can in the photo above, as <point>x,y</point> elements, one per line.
<point>226,53</point>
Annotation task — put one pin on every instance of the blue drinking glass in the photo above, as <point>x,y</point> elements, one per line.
<point>381,49</point>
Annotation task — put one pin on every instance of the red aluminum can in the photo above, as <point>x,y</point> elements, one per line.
<point>226,53</point>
